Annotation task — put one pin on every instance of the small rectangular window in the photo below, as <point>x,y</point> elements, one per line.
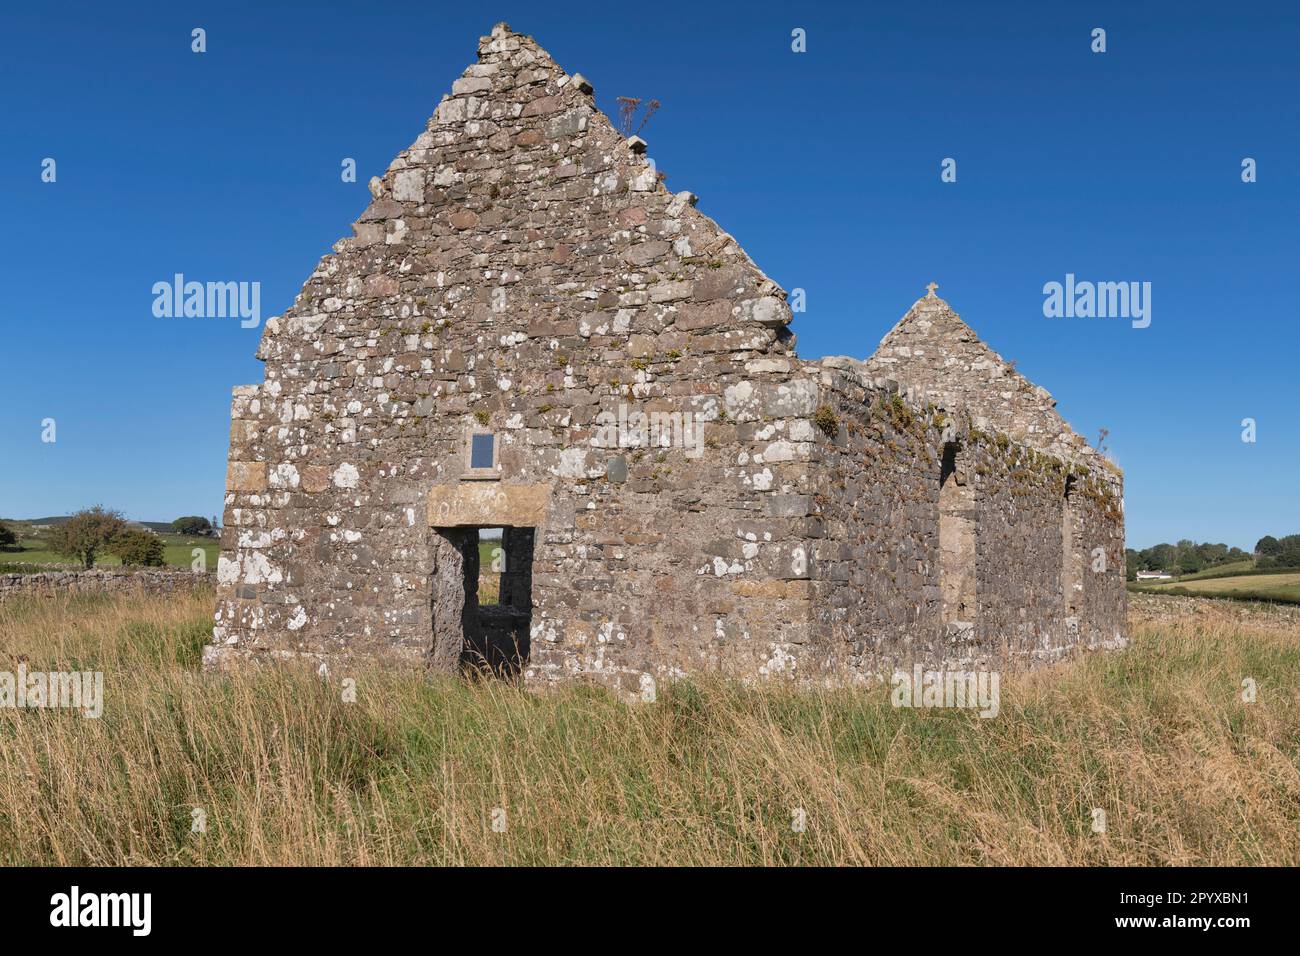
<point>480,451</point>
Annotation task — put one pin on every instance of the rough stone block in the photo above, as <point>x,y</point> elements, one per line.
<point>246,476</point>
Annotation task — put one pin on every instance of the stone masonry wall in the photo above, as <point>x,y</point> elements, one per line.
<point>876,569</point>
<point>1103,612</point>
<point>933,348</point>
<point>97,581</point>
<point>1024,608</point>
<point>521,270</point>
<point>876,587</point>
<point>1020,501</point>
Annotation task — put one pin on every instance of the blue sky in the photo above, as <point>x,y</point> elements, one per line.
<point>825,165</point>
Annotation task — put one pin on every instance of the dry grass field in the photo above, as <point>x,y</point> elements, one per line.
<point>284,771</point>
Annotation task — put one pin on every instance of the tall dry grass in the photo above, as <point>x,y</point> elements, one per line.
<point>288,773</point>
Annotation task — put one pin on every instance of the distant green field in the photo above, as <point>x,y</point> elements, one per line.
<point>177,552</point>
<point>1284,586</point>
<point>489,582</point>
<point>1220,570</point>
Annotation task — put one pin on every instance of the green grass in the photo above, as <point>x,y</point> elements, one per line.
<point>1231,570</point>
<point>489,581</point>
<point>1220,570</point>
<point>177,552</point>
<point>1281,580</point>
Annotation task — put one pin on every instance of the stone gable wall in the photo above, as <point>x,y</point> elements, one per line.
<point>522,270</point>
<point>931,347</point>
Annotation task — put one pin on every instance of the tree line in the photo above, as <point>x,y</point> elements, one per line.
<point>1189,557</point>
<point>1283,552</point>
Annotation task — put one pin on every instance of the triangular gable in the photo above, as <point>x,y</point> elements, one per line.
<point>517,203</point>
<point>932,349</point>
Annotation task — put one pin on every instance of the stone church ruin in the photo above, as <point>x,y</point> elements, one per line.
<point>488,350</point>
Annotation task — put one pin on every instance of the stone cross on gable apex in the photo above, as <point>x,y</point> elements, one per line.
<point>931,287</point>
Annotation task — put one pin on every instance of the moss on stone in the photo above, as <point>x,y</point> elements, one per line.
<point>825,419</point>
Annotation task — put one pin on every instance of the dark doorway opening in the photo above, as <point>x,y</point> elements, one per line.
<point>482,599</point>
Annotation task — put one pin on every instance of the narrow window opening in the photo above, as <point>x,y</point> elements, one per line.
<point>1071,549</point>
<point>957,571</point>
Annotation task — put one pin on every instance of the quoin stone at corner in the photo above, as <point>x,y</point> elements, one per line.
<point>520,273</point>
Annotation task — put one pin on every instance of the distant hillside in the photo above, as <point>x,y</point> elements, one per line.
<point>163,527</point>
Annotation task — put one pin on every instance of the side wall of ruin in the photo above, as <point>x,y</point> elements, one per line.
<point>1020,552</point>
<point>1102,617</point>
<point>1044,586</point>
<point>900,569</point>
<point>876,594</point>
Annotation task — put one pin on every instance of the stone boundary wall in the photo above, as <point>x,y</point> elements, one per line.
<point>1178,610</point>
<point>146,580</point>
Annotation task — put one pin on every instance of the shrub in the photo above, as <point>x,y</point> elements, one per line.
<point>138,547</point>
<point>86,533</point>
